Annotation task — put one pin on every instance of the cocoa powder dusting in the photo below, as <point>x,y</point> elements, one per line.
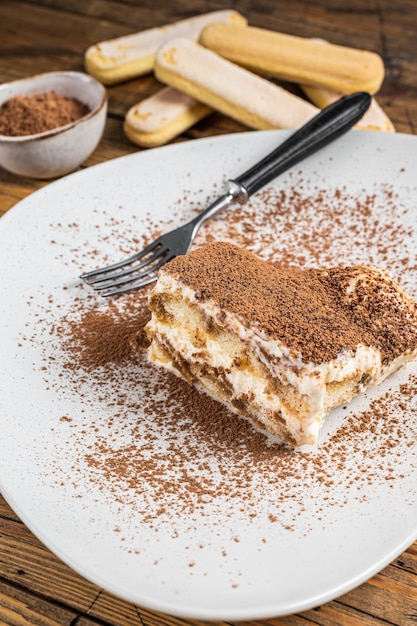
<point>102,337</point>
<point>29,115</point>
<point>306,310</point>
<point>161,454</point>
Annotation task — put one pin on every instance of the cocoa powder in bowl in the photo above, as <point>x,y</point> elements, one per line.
<point>58,131</point>
<point>33,114</point>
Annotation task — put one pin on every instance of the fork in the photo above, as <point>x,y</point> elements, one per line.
<point>141,269</point>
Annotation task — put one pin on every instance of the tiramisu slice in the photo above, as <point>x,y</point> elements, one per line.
<point>282,346</point>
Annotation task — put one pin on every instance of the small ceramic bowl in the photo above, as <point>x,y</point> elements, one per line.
<point>61,150</point>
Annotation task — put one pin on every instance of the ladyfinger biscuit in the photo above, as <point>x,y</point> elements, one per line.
<point>374,118</point>
<point>296,59</point>
<point>165,115</point>
<point>116,60</point>
<point>228,88</point>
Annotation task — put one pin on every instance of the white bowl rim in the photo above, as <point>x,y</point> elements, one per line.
<point>82,76</point>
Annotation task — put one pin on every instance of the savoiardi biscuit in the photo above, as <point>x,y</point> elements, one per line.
<point>296,59</point>
<point>228,88</point>
<point>166,114</point>
<point>120,59</point>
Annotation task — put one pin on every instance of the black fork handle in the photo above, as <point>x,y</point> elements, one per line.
<point>332,122</point>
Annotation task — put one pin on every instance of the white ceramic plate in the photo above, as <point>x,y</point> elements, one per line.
<point>116,470</point>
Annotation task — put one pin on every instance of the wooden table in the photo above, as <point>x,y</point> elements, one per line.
<point>36,36</point>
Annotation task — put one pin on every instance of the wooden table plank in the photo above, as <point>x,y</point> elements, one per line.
<point>43,35</point>
<point>20,608</point>
<point>29,565</point>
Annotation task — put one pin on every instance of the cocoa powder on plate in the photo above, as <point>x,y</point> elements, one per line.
<point>154,444</point>
<point>102,337</point>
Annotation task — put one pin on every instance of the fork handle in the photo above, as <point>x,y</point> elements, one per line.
<point>332,122</point>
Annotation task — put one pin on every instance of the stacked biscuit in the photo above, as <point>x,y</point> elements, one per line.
<point>217,62</point>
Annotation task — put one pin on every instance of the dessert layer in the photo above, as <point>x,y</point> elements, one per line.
<point>282,346</point>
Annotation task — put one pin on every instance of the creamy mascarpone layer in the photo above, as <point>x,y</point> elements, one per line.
<point>310,380</point>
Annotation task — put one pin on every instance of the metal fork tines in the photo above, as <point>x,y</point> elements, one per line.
<point>132,273</point>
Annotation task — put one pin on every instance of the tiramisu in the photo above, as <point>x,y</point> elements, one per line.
<point>281,346</point>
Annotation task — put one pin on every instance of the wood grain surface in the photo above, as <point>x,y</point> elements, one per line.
<point>36,588</point>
